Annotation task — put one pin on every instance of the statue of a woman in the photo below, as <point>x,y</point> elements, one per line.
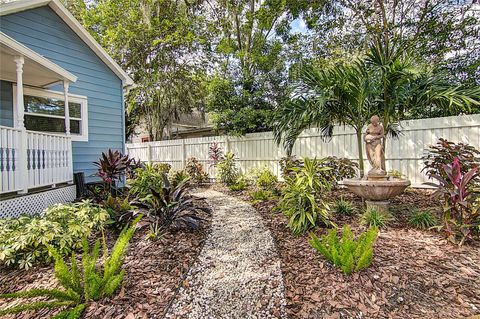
<point>374,146</point>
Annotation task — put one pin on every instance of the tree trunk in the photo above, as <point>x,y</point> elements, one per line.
<point>358,131</point>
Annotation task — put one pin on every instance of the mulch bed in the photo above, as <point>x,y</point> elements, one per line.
<point>154,271</point>
<point>414,274</point>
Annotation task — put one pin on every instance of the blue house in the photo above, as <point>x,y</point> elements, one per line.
<point>47,61</point>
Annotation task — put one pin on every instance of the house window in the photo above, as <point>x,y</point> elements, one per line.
<point>145,139</point>
<point>45,112</point>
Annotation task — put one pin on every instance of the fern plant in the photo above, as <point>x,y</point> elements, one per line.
<point>80,287</point>
<point>347,253</point>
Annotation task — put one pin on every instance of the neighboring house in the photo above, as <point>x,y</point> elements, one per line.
<point>189,125</point>
<point>47,60</point>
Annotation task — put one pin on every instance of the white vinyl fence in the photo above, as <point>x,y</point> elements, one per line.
<point>259,149</point>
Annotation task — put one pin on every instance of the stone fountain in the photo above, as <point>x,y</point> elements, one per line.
<point>377,188</point>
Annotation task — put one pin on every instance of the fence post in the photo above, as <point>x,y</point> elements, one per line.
<point>184,151</point>
<point>149,153</point>
<point>227,144</point>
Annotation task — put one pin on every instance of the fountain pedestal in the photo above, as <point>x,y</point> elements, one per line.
<point>377,191</point>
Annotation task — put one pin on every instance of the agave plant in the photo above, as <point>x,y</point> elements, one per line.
<point>461,214</point>
<point>171,206</point>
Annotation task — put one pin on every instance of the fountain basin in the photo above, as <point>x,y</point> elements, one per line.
<point>377,190</point>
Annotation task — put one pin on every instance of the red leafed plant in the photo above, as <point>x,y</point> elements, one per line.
<point>215,152</point>
<point>111,167</point>
<point>461,198</point>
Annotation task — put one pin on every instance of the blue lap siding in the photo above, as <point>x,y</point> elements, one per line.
<point>43,31</point>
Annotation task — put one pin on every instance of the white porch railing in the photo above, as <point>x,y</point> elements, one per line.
<point>47,159</point>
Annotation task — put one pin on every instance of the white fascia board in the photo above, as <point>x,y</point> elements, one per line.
<point>72,22</point>
<point>34,56</point>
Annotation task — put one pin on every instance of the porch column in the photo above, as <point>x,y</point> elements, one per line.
<point>20,105</point>
<point>22,143</point>
<point>69,170</point>
<point>67,109</point>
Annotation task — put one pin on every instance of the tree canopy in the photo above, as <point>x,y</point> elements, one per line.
<point>241,60</point>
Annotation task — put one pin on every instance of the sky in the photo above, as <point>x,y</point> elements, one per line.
<point>298,26</point>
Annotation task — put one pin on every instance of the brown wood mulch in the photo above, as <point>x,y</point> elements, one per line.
<point>154,271</point>
<point>414,274</point>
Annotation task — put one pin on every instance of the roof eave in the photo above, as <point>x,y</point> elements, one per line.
<point>72,22</point>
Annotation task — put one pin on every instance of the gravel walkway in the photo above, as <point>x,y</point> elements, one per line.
<point>238,272</point>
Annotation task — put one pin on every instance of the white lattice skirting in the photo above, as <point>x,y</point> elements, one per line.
<point>36,203</point>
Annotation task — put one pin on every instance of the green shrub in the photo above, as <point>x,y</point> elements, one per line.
<point>422,219</point>
<point>227,171</point>
<point>120,211</point>
<point>195,170</point>
<point>331,169</point>
<point>24,240</point>
<point>264,178</point>
<point>343,207</point>
<point>347,253</point>
<point>288,165</point>
<point>300,199</point>
<point>145,179</point>
<point>80,286</point>
<point>375,218</point>
<point>177,177</point>
<point>261,195</point>
<point>239,185</point>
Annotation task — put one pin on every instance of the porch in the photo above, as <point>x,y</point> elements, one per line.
<point>31,158</point>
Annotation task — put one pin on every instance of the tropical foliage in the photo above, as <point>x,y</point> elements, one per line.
<point>82,283</point>
<point>460,198</point>
<point>347,253</point>
<point>169,205</point>
<point>227,171</point>
<point>302,200</point>
<point>24,241</point>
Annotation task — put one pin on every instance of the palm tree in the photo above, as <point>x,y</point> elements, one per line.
<point>407,89</point>
<point>387,83</point>
<point>323,98</point>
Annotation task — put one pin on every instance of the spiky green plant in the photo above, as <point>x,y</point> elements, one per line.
<point>375,218</point>
<point>240,184</point>
<point>79,287</point>
<point>347,253</point>
<point>343,207</point>
<point>422,219</point>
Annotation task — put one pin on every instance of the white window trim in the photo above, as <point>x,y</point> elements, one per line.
<point>80,99</point>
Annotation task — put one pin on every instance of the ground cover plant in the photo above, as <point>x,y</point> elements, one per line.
<point>347,253</point>
<point>81,283</point>
<point>343,207</point>
<point>373,217</point>
<point>422,219</point>
<point>24,240</point>
<point>240,184</point>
